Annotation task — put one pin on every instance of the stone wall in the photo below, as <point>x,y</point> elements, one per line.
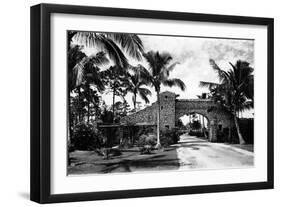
<point>148,115</point>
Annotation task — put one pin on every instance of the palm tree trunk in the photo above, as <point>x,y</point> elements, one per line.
<point>113,103</point>
<point>88,114</point>
<point>79,102</point>
<point>241,140</point>
<point>158,145</point>
<point>230,135</point>
<point>201,122</point>
<point>135,101</point>
<point>88,103</point>
<point>203,126</point>
<point>69,125</point>
<point>70,121</point>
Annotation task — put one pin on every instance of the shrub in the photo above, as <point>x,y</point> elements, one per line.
<point>86,137</point>
<point>132,133</point>
<point>70,147</point>
<point>196,133</point>
<point>149,140</point>
<point>247,129</point>
<point>112,136</point>
<point>146,149</point>
<point>169,136</point>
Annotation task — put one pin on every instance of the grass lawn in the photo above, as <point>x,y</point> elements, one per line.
<point>85,162</point>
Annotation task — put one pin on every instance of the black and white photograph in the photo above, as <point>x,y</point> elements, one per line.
<point>140,103</point>
<point>134,103</point>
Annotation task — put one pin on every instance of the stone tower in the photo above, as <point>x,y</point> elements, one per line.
<point>167,110</point>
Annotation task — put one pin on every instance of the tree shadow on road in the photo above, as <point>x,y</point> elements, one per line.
<point>165,161</point>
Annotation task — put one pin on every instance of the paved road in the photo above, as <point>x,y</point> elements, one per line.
<point>195,153</point>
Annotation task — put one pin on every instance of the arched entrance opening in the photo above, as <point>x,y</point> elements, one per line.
<point>195,124</point>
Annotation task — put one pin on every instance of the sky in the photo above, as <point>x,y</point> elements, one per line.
<point>193,55</point>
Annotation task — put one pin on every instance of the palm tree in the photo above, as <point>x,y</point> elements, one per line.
<point>110,43</point>
<point>235,90</point>
<point>136,85</point>
<point>92,75</point>
<point>157,75</point>
<point>87,73</point>
<point>87,69</point>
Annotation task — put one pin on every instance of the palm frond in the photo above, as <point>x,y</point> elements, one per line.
<point>70,35</point>
<point>74,55</point>
<point>175,82</point>
<point>114,52</point>
<point>157,61</point>
<point>100,41</point>
<point>151,59</point>
<point>166,70</point>
<point>89,39</point>
<point>142,73</point>
<point>144,92</point>
<point>134,98</point>
<point>247,105</point>
<point>78,71</point>
<point>172,66</point>
<point>99,59</point>
<point>131,43</point>
<point>222,75</point>
<point>165,58</point>
<point>209,85</point>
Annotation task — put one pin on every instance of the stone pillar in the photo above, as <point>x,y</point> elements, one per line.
<point>213,130</point>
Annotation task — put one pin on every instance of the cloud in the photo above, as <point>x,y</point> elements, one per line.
<point>194,54</point>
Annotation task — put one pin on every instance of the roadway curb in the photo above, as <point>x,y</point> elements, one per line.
<point>237,149</point>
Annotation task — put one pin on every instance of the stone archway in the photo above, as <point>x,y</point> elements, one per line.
<point>209,109</point>
<point>203,119</point>
<point>171,109</point>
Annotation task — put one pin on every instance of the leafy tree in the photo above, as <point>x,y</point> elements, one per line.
<point>93,100</point>
<point>195,124</point>
<point>116,79</point>
<point>106,115</point>
<point>74,56</point>
<point>122,108</point>
<point>235,89</point>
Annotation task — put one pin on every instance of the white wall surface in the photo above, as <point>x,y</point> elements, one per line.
<point>14,104</point>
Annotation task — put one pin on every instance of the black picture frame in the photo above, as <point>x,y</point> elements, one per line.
<point>40,102</point>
